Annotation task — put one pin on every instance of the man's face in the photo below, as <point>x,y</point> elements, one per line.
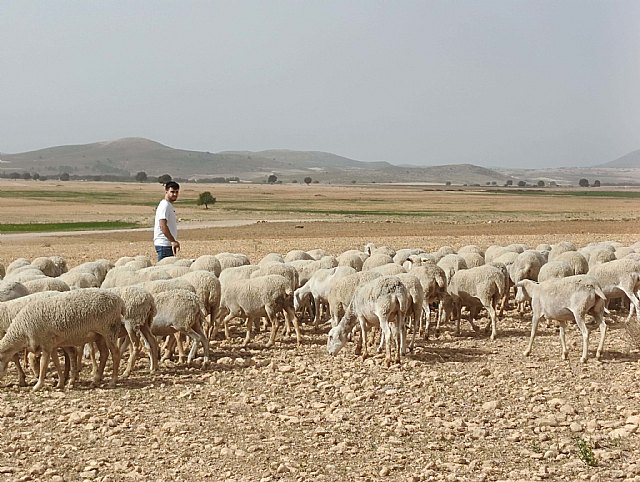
<point>171,194</point>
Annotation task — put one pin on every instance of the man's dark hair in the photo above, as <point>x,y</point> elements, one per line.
<point>171,185</point>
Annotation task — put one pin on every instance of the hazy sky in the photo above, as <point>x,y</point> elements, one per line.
<point>489,82</point>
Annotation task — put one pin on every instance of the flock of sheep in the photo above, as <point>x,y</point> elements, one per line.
<point>47,309</point>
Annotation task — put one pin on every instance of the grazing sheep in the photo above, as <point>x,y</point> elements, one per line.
<point>472,259</point>
<point>555,269</point>
<point>125,276</point>
<point>372,249</point>
<point>68,319</point>
<point>375,260</point>
<point>416,302</point>
<point>482,286</point>
<point>317,288</point>
<point>51,266</point>
<point>78,279</point>
<point>307,268</point>
<point>98,268</point>
<point>296,254</point>
<point>526,266</point>
<point>207,262</point>
<point>160,285</point>
<point>434,283</point>
<point>619,278</point>
<point>318,254</point>
<point>9,310</point>
<point>139,311</point>
<point>180,311</point>
<point>257,297</point>
<point>235,273</point>
<point>10,290</point>
<point>450,264</point>
<point>381,302</point>
<point>46,284</point>
<point>24,273</point>
<point>576,260</point>
<point>229,260</point>
<point>271,258</point>
<point>341,292</point>
<point>17,263</point>
<point>403,254</point>
<point>389,269</point>
<point>352,258</point>
<point>566,299</point>
<point>471,248</point>
<point>561,247</point>
<point>208,289</point>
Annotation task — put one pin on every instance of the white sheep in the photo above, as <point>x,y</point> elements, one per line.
<point>561,247</point>
<point>451,263</point>
<point>619,278</point>
<point>69,319</point>
<point>208,289</point>
<point>180,311</point>
<point>17,263</point>
<point>24,273</point>
<point>341,292</point>
<point>526,266</point>
<point>46,284</point>
<point>79,279</point>
<point>140,309</point>
<point>381,303</point>
<point>10,290</point>
<point>482,286</point>
<point>228,260</point>
<point>99,268</point>
<point>296,254</point>
<point>555,269</point>
<point>375,260</point>
<point>566,299</point>
<point>207,262</point>
<point>434,283</point>
<point>389,269</point>
<point>271,258</point>
<point>51,266</point>
<point>576,260</point>
<point>256,297</point>
<point>9,310</point>
<point>416,302</point>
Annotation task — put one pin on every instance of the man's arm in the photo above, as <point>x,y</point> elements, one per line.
<point>175,244</point>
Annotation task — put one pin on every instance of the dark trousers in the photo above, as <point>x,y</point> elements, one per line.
<point>164,251</point>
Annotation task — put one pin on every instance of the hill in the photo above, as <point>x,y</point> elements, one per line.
<point>126,157</point>
<point>631,160</point>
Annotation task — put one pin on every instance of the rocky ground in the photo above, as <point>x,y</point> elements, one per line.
<point>457,409</point>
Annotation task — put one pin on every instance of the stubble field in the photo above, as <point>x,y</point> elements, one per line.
<point>458,408</point>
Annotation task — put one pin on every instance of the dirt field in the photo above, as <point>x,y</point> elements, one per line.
<point>457,409</point>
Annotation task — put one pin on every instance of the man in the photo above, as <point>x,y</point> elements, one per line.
<point>165,230</point>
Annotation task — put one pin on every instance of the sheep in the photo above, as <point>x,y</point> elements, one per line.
<point>601,255</point>
<point>475,287</point>
<point>619,278</point>
<point>576,260</point>
<point>382,302</point>
<point>17,263</point>
<point>526,266</point>
<point>51,266</point>
<point>561,247</point>
<point>160,285</point>
<point>307,268</point>
<point>79,279</point>
<point>68,319</point>
<point>208,289</point>
<point>125,276</point>
<point>228,260</point>
<point>176,271</point>
<point>10,290</point>
<point>9,310</point>
<point>264,296</point>
<point>372,249</point>
<point>46,284</point>
<point>237,273</point>
<point>341,292</point>
<point>472,259</point>
<point>180,311</point>
<point>353,258</point>
<point>98,268</point>
<point>389,269</point>
<point>25,273</point>
<point>566,299</point>
<point>207,262</point>
<point>271,258</point>
<point>450,264</point>
<point>416,302</point>
<point>375,260</point>
<point>296,254</point>
<point>317,288</point>
<point>140,309</point>
<point>555,269</point>
<point>318,254</point>
<point>403,254</point>
<point>434,284</point>
<point>471,248</point>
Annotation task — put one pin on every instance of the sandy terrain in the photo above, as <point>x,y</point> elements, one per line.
<point>459,408</point>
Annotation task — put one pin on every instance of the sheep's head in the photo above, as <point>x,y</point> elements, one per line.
<point>521,294</point>
<point>336,339</point>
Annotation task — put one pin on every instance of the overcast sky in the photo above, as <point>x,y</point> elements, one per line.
<point>492,82</point>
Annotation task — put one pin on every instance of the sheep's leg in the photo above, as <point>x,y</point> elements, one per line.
<point>32,361</point>
<point>181,354</point>
<point>290,314</point>
<point>133,340</point>
<point>62,376</point>
<point>386,338</point>
<point>169,345</point>
<point>273,317</point>
<point>473,313</point>
<point>634,302</point>
<point>22,377</point>
<point>603,331</point>
<point>494,319</point>
<point>102,349</point>
<point>197,335</point>
<point>585,337</point>
<point>154,349</point>
<point>72,354</point>
<point>247,337</point>
<point>563,339</point>
<point>112,345</point>
<point>44,365</point>
<point>363,337</point>
<point>534,326</point>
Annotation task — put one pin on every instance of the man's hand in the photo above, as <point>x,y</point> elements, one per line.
<point>175,247</point>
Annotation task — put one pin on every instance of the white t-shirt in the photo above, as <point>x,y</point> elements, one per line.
<point>165,211</point>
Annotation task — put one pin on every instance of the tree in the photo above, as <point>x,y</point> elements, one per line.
<point>583,182</point>
<point>205,198</point>
<point>272,179</point>
<point>521,184</point>
<point>26,176</point>
<point>141,176</point>
<point>596,183</point>
<point>165,178</point>
<point>307,180</point>
<point>540,183</point>
<point>14,175</point>
<point>509,182</point>
<point>64,176</point>
<point>36,176</point>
